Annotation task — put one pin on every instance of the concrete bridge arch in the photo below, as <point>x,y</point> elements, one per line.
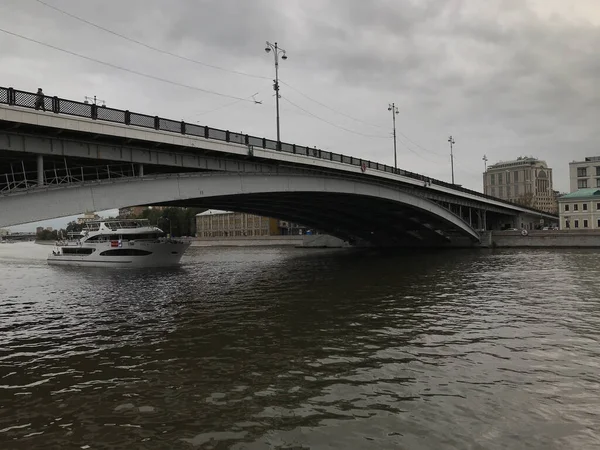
<point>347,208</point>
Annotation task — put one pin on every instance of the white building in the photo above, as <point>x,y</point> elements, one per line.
<point>585,174</point>
<point>580,210</point>
<point>526,181</point>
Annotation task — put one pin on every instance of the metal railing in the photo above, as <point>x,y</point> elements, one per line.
<point>58,105</point>
<point>20,179</point>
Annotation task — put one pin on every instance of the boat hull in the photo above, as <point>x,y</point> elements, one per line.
<point>164,254</point>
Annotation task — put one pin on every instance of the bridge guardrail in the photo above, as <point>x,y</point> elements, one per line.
<point>19,180</point>
<point>58,105</point>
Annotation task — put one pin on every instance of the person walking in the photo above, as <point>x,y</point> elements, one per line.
<point>39,100</point>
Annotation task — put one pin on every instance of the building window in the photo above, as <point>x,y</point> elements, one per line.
<point>598,206</point>
<point>493,193</point>
<point>575,207</point>
<point>517,189</point>
<point>577,224</point>
<point>508,191</point>
<point>516,177</point>
<point>499,178</point>
<point>582,171</point>
<point>598,171</point>
<point>581,184</point>
<point>598,223</point>
<point>507,177</point>
<point>585,223</point>
<point>500,192</point>
<point>492,180</point>
<point>584,206</point>
<point>566,208</point>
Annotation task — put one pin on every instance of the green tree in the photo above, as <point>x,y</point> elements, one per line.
<point>74,227</point>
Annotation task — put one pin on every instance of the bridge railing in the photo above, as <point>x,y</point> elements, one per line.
<point>19,179</point>
<point>58,105</point>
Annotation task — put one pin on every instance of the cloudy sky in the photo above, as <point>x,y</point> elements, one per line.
<point>505,77</point>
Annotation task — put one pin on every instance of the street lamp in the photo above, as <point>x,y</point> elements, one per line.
<point>276,51</point>
<point>452,142</point>
<point>485,160</point>
<point>394,110</point>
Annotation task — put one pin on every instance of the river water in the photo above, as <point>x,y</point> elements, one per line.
<point>302,349</point>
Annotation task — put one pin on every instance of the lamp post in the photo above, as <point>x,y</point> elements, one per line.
<point>452,142</point>
<point>394,110</point>
<point>485,160</point>
<point>276,51</point>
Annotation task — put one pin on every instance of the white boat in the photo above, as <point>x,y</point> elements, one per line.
<point>119,243</point>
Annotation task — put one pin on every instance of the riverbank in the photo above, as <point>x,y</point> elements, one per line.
<point>308,241</point>
<point>542,239</point>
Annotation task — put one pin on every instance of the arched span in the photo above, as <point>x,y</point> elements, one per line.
<point>283,196</point>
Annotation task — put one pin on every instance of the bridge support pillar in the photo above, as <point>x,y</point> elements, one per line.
<point>141,170</point>
<point>40,170</point>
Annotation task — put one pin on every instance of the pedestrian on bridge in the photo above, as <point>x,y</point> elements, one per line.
<point>39,100</point>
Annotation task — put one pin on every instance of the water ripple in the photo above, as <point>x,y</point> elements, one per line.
<point>287,348</point>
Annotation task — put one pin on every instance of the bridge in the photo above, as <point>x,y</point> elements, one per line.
<point>66,157</point>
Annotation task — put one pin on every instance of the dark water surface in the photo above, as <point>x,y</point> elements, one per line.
<point>297,349</point>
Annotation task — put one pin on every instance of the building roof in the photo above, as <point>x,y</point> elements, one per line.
<point>520,161</point>
<point>589,193</point>
<point>586,160</point>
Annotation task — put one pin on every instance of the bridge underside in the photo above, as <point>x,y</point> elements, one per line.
<point>355,211</point>
<point>351,217</point>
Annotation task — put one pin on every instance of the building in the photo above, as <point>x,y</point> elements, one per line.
<point>226,224</point>
<point>585,174</point>
<point>580,210</point>
<point>526,181</point>
<point>215,223</point>
<point>88,217</point>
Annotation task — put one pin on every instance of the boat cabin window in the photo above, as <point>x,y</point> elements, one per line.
<point>130,237</point>
<point>78,251</point>
<point>125,252</point>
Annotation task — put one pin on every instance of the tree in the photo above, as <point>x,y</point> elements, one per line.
<point>74,227</point>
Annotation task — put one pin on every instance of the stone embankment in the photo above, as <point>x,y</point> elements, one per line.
<point>541,239</point>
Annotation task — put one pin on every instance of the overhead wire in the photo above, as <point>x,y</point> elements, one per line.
<point>224,106</point>
<point>333,124</point>
<point>330,108</point>
<point>358,120</point>
<point>148,46</point>
<point>185,58</point>
<point>213,66</point>
<point>125,69</point>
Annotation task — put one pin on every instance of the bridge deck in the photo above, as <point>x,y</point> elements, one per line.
<point>235,143</point>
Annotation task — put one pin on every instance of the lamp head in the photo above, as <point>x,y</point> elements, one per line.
<point>284,56</point>
<point>267,49</point>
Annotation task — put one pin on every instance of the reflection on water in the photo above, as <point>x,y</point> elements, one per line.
<point>289,348</point>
